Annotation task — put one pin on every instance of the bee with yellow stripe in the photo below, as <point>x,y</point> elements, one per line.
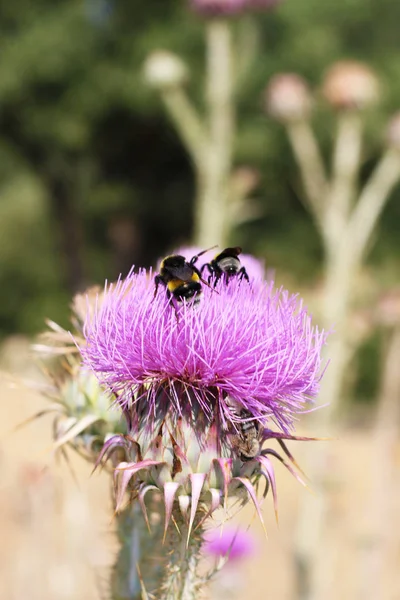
<point>181,278</point>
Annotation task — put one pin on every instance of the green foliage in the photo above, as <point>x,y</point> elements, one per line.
<point>85,147</point>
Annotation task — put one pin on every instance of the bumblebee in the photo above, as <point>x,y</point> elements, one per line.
<point>226,264</point>
<point>246,442</point>
<point>181,278</point>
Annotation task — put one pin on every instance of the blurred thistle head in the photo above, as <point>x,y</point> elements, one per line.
<point>213,8</point>
<point>163,70</point>
<point>350,85</point>
<point>288,98</point>
<point>393,131</point>
<point>227,8</point>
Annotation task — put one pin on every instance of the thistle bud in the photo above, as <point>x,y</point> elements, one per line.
<point>350,85</point>
<point>163,69</point>
<point>287,98</point>
<point>393,131</point>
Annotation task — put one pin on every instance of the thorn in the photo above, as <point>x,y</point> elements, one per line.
<point>144,593</point>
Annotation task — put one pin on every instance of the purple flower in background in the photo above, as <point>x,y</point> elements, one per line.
<point>244,347</point>
<point>212,8</point>
<point>229,541</point>
<point>218,7</point>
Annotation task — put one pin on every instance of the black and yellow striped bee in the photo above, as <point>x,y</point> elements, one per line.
<point>226,264</point>
<point>181,278</point>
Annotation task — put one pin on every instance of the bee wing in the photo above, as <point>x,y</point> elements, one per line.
<point>185,273</point>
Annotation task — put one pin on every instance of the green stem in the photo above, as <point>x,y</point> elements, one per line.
<point>187,122</point>
<point>138,549</point>
<point>181,581</point>
<point>214,173</point>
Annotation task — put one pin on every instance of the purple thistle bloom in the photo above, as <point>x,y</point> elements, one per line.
<point>226,8</point>
<point>229,541</point>
<point>211,8</point>
<point>245,346</point>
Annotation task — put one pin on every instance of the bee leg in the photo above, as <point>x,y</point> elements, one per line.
<point>210,270</point>
<point>177,315</point>
<point>216,274</point>
<point>196,270</point>
<point>174,304</point>
<point>193,260</point>
<point>157,281</point>
<point>243,274</point>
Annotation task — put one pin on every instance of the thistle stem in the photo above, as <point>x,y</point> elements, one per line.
<point>310,162</point>
<point>188,123</point>
<point>181,581</point>
<point>348,221</point>
<point>214,173</point>
<point>138,549</point>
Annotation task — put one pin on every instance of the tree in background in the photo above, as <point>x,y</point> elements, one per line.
<point>88,154</point>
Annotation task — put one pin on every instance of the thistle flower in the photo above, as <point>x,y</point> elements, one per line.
<point>188,380</point>
<point>253,347</point>
<point>211,8</point>
<point>196,382</point>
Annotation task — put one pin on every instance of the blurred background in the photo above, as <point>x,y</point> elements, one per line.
<point>111,114</point>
